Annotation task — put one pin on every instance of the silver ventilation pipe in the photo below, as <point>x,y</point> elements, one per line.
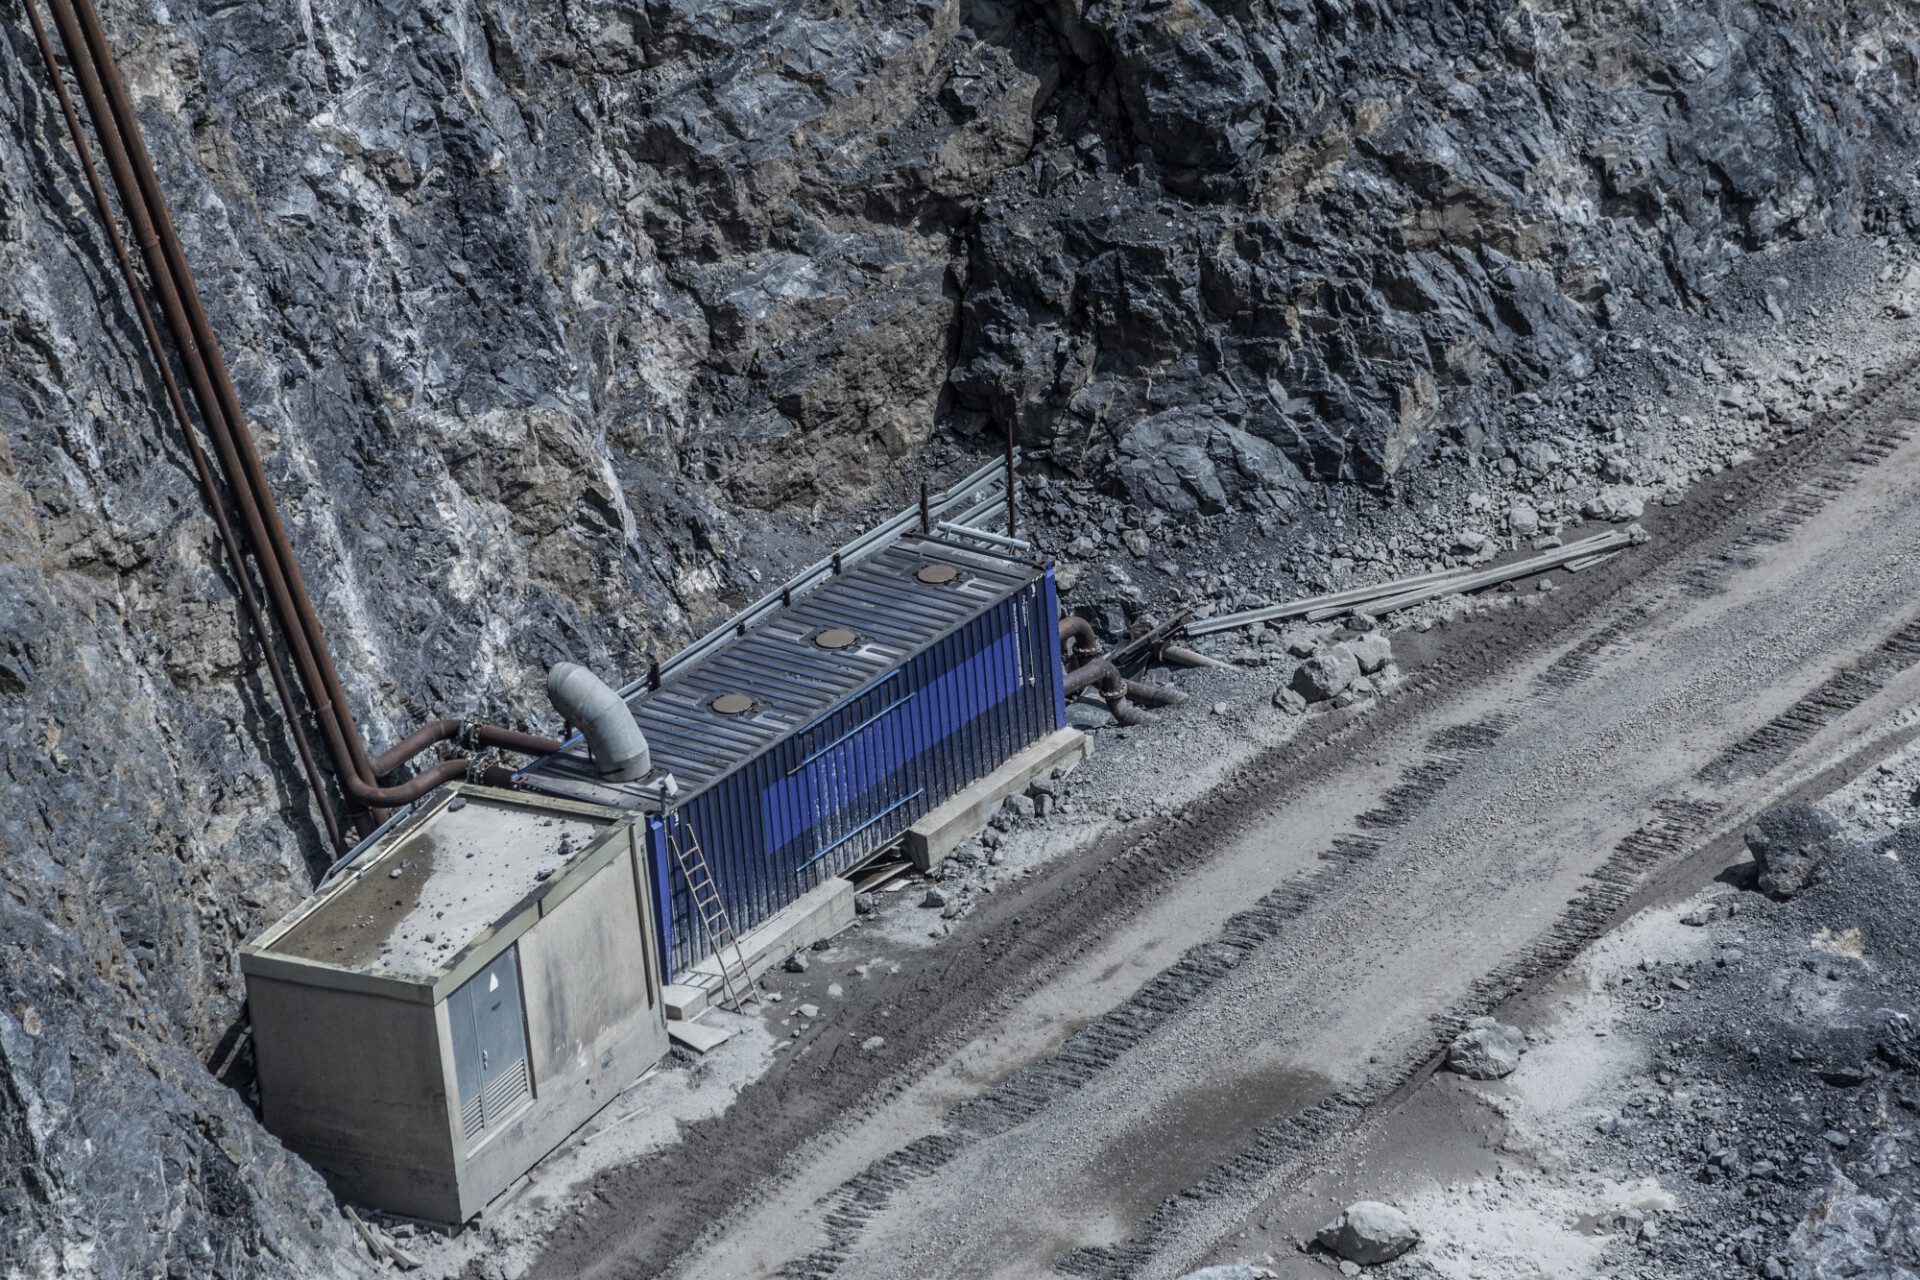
<point>613,737</point>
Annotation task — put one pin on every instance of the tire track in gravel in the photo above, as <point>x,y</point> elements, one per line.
<point>727,1166</point>
<point>1098,1046</point>
<point>1279,1150</point>
<point>1675,824</point>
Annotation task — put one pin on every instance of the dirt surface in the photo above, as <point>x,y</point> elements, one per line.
<point>1723,1085</point>
<point>1427,855</point>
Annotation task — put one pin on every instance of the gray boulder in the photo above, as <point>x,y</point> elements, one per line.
<point>1789,842</point>
<point>1326,673</point>
<point>1538,456</point>
<point>1486,1050</point>
<point>1369,1232</point>
<point>1373,651</point>
<point>1183,460</point>
<point>1191,87</point>
<point>1850,1233</point>
<point>1230,1271</point>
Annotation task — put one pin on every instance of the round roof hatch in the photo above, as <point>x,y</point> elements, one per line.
<point>836,638</point>
<point>937,574</point>
<point>732,704</point>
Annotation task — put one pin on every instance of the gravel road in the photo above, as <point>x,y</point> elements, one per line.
<point>1177,1045</point>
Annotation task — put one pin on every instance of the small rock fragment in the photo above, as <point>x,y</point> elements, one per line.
<point>796,963</point>
<point>934,898</point>
<point>1289,701</point>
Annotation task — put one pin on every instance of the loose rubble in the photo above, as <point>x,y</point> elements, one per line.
<point>1728,1087</point>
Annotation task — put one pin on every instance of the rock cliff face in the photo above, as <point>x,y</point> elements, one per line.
<point>560,322</point>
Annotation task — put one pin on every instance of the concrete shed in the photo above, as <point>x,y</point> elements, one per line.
<point>445,1010</point>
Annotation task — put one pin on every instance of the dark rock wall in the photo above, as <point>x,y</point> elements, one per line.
<point>559,323</point>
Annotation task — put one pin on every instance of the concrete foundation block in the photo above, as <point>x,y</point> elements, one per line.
<point>964,816</point>
<point>819,913</point>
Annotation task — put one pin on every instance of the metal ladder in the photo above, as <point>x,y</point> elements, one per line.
<point>734,977</point>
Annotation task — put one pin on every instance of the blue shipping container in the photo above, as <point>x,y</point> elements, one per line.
<point>842,748</point>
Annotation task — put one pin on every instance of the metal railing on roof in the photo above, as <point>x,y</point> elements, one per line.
<point>985,510</point>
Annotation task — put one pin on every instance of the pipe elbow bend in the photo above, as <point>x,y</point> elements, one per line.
<point>613,737</point>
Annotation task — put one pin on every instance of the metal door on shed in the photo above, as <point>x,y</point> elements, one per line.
<point>489,1045</point>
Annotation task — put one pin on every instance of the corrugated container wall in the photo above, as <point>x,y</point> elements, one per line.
<point>853,780</point>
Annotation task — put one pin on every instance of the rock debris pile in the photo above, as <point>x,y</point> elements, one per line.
<point>1764,1116</point>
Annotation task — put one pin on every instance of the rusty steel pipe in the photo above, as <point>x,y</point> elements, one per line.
<point>413,788</point>
<point>1181,656</point>
<point>1154,695</point>
<point>495,775</point>
<point>171,278</point>
<point>93,69</point>
<point>247,478</point>
<point>1085,643</point>
<point>1088,674</point>
<point>209,487</point>
<point>1114,689</point>
<point>1101,674</point>
<point>133,202</point>
<point>486,735</point>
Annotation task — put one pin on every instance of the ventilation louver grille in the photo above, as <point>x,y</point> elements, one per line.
<point>472,1119</point>
<point>506,1091</point>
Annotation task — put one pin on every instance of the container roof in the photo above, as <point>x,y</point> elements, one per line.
<point>417,901</point>
<point>795,667</point>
